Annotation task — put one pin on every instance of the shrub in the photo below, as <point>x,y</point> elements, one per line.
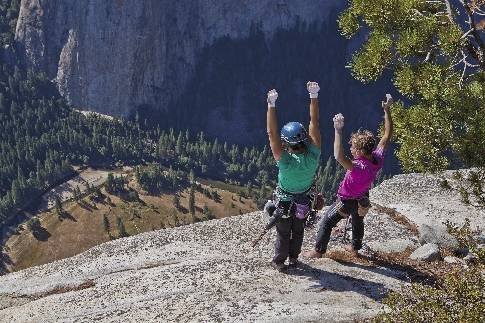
<point>459,297</point>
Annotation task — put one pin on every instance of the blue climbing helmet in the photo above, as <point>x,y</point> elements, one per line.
<point>294,133</point>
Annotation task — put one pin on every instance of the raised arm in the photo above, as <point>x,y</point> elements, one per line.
<point>338,149</point>
<point>314,127</point>
<point>386,138</point>
<point>272,125</point>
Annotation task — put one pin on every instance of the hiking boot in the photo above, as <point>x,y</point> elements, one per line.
<point>293,262</point>
<point>350,249</point>
<point>312,254</point>
<point>281,267</point>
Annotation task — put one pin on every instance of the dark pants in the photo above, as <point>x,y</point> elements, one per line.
<point>330,220</point>
<point>289,234</point>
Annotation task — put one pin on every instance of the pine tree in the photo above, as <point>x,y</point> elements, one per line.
<point>192,177</point>
<point>121,228</point>
<point>175,219</point>
<point>208,213</point>
<point>176,201</point>
<point>58,205</point>
<point>192,201</point>
<point>179,145</point>
<point>137,173</point>
<point>77,194</point>
<point>33,224</point>
<point>2,103</point>
<point>110,183</point>
<point>97,192</point>
<point>201,137</point>
<point>215,196</point>
<point>106,224</point>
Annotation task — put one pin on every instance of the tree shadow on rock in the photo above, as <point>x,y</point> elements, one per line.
<point>85,206</point>
<point>40,233</point>
<point>66,216</point>
<point>398,271</point>
<point>341,283</point>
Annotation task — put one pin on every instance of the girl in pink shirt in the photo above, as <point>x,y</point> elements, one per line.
<point>353,191</point>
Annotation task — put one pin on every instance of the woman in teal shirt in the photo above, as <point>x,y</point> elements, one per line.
<point>297,155</point>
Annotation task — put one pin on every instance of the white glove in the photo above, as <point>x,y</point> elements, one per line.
<point>338,121</point>
<point>388,103</point>
<point>272,96</point>
<point>313,89</point>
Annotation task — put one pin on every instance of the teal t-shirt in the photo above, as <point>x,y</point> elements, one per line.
<point>296,171</point>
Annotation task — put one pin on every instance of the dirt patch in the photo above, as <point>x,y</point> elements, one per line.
<point>397,217</point>
<point>428,273</point>
<point>66,289</point>
<point>7,301</point>
<point>147,266</point>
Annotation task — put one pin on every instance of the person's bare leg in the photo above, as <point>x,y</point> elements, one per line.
<point>312,254</point>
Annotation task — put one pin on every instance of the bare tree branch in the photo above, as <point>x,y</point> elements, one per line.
<point>428,56</point>
<point>479,11</point>
<point>462,78</point>
<point>465,35</point>
<point>473,26</point>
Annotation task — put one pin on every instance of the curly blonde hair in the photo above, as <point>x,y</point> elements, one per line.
<point>363,140</point>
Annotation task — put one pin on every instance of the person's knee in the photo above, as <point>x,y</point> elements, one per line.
<point>329,221</point>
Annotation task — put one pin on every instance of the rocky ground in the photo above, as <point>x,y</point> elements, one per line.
<point>209,272</point>
<point>425,200</point>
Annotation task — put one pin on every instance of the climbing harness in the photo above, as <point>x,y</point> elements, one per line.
<point>301,205</point>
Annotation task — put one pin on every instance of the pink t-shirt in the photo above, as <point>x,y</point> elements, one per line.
<point>358,180</point>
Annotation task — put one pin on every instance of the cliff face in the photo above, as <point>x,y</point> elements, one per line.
<point>204,65</point>
<point>112,56</point>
